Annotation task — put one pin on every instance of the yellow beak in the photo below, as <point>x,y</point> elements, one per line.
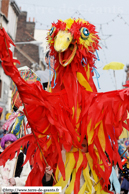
<point>62,41</point>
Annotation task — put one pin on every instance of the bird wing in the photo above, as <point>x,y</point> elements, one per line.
<point>47,114</point>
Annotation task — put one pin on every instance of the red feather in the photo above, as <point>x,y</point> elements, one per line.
<point>11,150</point>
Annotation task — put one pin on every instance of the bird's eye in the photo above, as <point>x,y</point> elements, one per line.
<point>52,30</point>
<point>84,33</point>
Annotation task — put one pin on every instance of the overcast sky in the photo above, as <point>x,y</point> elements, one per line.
<point>111,18</point>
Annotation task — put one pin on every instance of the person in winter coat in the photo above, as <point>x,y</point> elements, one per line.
<point>13,173</point>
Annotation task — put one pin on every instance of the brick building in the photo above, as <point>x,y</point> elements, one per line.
<point>28,50</point>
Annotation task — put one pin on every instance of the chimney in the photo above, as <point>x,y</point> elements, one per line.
<point>33,19</point>
<point>5,7</point>
<point>29,19</point>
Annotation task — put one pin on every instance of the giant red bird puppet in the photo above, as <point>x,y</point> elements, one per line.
<point>71,112</point>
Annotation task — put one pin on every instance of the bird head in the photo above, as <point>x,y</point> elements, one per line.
<point>73,40</point>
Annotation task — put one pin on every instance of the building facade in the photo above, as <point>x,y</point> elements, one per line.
<point>9,13</point>
<point>28,51</point>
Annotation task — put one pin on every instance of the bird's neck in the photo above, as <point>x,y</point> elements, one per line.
<point>74,77</point>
